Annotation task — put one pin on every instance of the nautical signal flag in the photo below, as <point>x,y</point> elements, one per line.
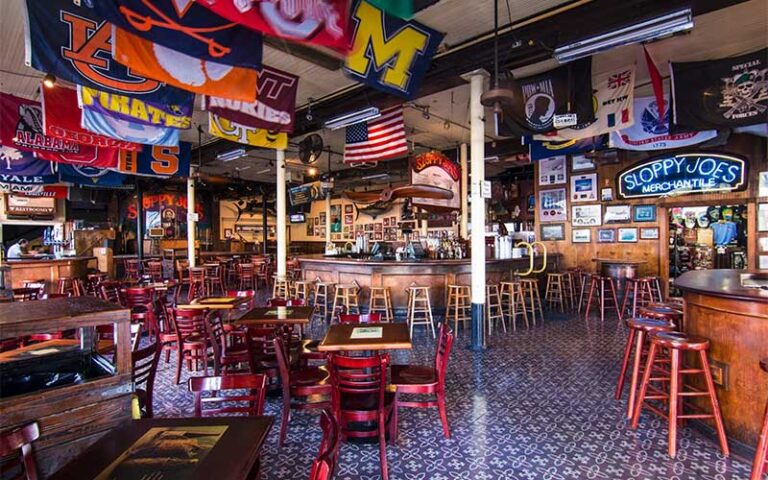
<point>236,132</point>
<point>382,138</point>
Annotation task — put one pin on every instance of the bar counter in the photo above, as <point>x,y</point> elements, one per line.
<point>735,320</point>
<point>437,274</point>
<point>49,270</point>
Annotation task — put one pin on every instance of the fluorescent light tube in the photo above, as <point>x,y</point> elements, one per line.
<point>352,118</point>
<point>231,155</point>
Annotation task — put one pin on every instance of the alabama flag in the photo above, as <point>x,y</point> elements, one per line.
<point>612,98</point>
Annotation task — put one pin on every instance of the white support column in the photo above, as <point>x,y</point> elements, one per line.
<point>282,234</point>
<point>191,224</point>
<point>464,184</point>
<point>327,219</point>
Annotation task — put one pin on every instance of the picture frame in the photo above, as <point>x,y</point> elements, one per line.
<point>322,219</point>
<point>227,233</point>
<point>587,215</point>
<point>762,262</point>
<point>552,171</point>
<point>763,244</point>
<point>581,162</point>
<point>584,188</point>
<point>618,214</point>
<point>606,194</point>
<point>762,217</point>
<point>349,209</point>
<point>553,232</point>
<point>627,235</point>
<point>349,219</point>
<point>310,226</point>
<point>644,213</point>
<point>762,184</point>
<point>606,235</point>
<point>386,221</point>
<point>553,205</point>
<point>649,233</point>
<point>531,203</point>
<point>581,235</point>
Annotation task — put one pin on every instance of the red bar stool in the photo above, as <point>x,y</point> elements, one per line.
<point>639,331</point>
<point>584,281</point>
<point>655,288</point>
<point>663,311</point>
<point>640,291</point>
<point>760,465</point>
<point>598,286</point>
<point>673,389</point>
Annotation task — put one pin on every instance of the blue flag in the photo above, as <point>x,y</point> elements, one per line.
<point>91,176</point>
<point>547,148</point>
<point>157,161</point>
<point>21,167</point>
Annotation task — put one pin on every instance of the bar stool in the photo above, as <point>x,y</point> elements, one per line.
<point>637,344</point>
<point>532,299</point>
<point>346,299</point>
<point>280,287</point>
<point>584,281</point>
<point>598,285</point>
<point>673,389</point>
<point>655,289</point>
<point>65,286</point>
<point>380,301</point>
<point>196,283</point>
<point>662,311</point>
<point>301,289</point>
<point>554,294</point>
<point>513,303</point>
<point>322,296</point>
<point>640,291</point>
<point>458,307</point>
<point>569,288</point>
<point>493,310</point>
<point>760,464</point>
<point>419,308</point>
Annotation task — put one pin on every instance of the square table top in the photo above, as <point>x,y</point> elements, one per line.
<point>215,303</point>
<point>224,448</point>
<point>394,336</point>
<point>276,315</point>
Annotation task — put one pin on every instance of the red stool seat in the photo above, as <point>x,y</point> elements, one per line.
<point>681,340</point>
<point>310,376</point>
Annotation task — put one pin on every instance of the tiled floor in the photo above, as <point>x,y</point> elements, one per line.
<point>538,404</point>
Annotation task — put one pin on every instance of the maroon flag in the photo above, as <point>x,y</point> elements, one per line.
<point>656,81</point>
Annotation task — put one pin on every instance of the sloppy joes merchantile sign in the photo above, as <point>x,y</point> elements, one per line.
<point>683,173</point>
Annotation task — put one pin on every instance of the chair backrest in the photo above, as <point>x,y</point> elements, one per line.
<point>245,269</point>
<point>444,345</point>
<point>144,361</point>
<point>360,318</point>
<point>78,288</point>
<point>283,362</point>
<point>250,403</point>
<point>19,440</point>
<point>285,302</point>
<point>211,270</point>
<point>355,376</point>
<point>111,292</point>
<point>139,296</point>
<point>325,464</point>
<point>197,274</point>
<point>155,268</point>
<point>132,267</point>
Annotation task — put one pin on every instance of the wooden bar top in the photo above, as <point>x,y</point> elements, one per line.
<point>423,262</point>
<point>14,262</point>
<point>721,283</point>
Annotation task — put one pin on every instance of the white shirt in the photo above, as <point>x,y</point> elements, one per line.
<point>14,251</point>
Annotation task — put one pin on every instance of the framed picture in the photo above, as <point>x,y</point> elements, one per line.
<point>628,235</point>
<point>606,235</point>
<point>552,170</point>
<point>378,236</point>
<point>763,243</point>
<point>349,209</point>
<point>581,235</point>
<point>606,194</point>
<point>762,262</point>
<point>227,233</point>
<point>762,184</point>
<point>531,203</point>
<point>644,213</point>
<point>310,227</point>
<point>618,214</point>
<point>553,231</point>
<point>584,188</point>
<point>377,227</point>
<point>587,215</point>
<point>581,162</point>
<point>552,206</point>
<point>393,221</point>
<point>349,219</point>
<point>649,233</point>
<point>386,221</point>
<point>322,219</point>
<point>762,217</point>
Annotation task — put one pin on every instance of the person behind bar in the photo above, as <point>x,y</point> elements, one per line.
<point>17,249</point>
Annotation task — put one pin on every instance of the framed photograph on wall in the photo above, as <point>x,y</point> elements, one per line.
<point>531,203</point>
<point>762,217</point>
<point>649,233</point>
<point>552,205</point>
<point>618,214</point>
<point>762,184</point>
<point>628,235</point>
<point>606,235</point>
<point>587,215</point>
<point>581,162</point>
<point>762,262</point>
<point>581,235</point>
<point>584,188</point>
<point>348,208</point>
<point>310,227</point>
<point>227,233</point>
<point>322,219</point>
<point>644,213</point>
<point>606,194</point>
<point>349,219</point>
<point>552,170</point>
<point>763,244</point>
<point>553,232</point>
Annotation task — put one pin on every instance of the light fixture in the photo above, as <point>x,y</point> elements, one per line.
<point>261,172</point>
<point>352,118</point>
<point>49,80</point>
<point>644,31</point>
<point>231,155</point>
<point>311,171</point>
<point>375,176</point>
<point>425,112</point>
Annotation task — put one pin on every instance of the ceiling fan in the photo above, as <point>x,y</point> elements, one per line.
<point>501,96</point>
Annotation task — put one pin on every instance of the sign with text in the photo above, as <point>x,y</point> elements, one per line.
<point>683,173</point>
<point>434,168</point>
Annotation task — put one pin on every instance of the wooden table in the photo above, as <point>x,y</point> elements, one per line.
<point>394,336</point>
<point>39,349</point>
<point>276,315</point>
<point>215,303</point>
<point>225,448</point>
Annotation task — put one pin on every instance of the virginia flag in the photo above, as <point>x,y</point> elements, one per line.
<point>235,132</point>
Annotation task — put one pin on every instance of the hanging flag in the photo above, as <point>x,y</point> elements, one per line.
<point>550,148</point>
<point>21,127</point>
<point>725,93</point>
<point>187,27</point>
<point>274,109</point>
<point>157,161</point>
<point>119,129</point>
<point>382,138</point>
<point>91,177</point>
<point>184,71</point>
<point>651,132</point>
<point>656,81</point>
<point>134,110</point>
<point>541,99</point>
<point>390,54</point>
<point>235,132</point>
<point>60,192</point>
<point>396,8</point>
<point>612,97</point>
<point>63,119</point>
<point>317,22</point>
<point>74,43</point>
<point>21,167</point>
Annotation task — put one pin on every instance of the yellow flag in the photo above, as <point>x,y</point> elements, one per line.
<point>236,132</point>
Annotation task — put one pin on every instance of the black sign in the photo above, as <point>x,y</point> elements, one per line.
<point>683,173</point>
<point>301,195</point>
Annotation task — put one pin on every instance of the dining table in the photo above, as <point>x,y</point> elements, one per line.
<point>276,315</point>
<point>348,337</point>
<point>224,448</point>
<point>216,303</point>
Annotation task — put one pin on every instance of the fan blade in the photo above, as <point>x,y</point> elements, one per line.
<point>363,197</point>
<point>421,191</point>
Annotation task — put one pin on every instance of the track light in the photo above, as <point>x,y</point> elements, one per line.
<point>312,171</point>
<point>49,80</point>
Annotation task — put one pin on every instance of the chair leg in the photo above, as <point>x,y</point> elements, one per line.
<point>636,363</point>
<point>624,365</point>
<point>643,386</point>
<point>443,413</point>
<point>718,418</point>
<point>285,418</point>
<point>383,446</point>
<point>674,392</point>
<point>592,287</point>
<point>759,463</point>
<point>393,420</point>
<point>180,357</point>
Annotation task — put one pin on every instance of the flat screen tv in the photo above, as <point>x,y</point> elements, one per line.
<point>297,218</point>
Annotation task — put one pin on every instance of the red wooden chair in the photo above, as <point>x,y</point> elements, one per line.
<point>251,294</point>
<point>360,318</point>
<point>324,466</point>
<point>182,267</point>
<point>155,270</point>
<point>218,404</point>
<point>111,291</point>
<point>360,395</point>
<point>92,282</point>
<point>423,380</point>
<point>132,269</point>
<point>213,278</point>
<point>141,301</point>
<point>263,274</point>
<point>196,283</point>
<point>19,440</point>
<point>26,294</point>
<point>192,340</point>
<point>310,384</point>
<point>230,354</point>
<point>246,276</point>
<point>144,363</point>
<point>285,302</point>
<point>41,337</point>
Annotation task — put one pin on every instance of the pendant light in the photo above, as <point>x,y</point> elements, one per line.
<point>499,97</point>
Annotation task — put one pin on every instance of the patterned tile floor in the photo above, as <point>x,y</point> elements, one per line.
<point>538,404</point>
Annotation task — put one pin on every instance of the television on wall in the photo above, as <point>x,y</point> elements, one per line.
<point>297,218</point>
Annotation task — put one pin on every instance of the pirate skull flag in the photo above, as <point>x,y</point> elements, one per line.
<point>725,93</point>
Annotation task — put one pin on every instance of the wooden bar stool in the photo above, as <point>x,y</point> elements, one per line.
<point>760,464</point>
<point>493,310</point>
<point>322,296</point>
<point>346,299</point>
<point>301,289</point>
<point>585,278</point>
<point>569,288</point>
<point>597,286</point>
<point>662,311</point>
<point>65,286</point>
<point>380,301</point>
<point>459,305</point>
<point>281,288</point>
<point>532,299</point>
<point>419,308</point>
<point>554,294</point>
<point>655,289</point>
<point>639,289</point>
<point>673,388</point>
<point>637,343</point>
<point>513,303</point>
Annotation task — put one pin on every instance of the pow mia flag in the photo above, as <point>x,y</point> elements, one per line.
<point>540,98</point>
<point>725,93</point>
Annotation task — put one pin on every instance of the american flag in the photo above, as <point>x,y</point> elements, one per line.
<point>379,139</point>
